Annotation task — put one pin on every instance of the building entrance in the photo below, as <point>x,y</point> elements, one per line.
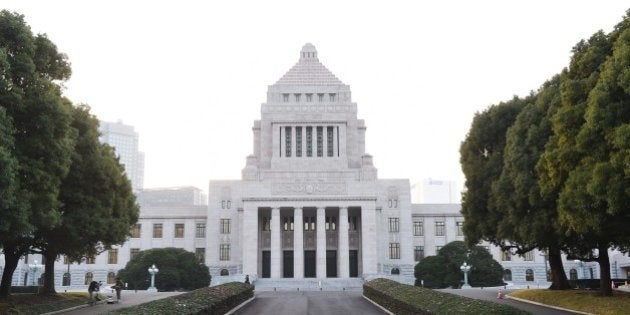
<point>287,264</point>
<point>354,263</point>
<point>266,264</point>
<point>309,264</point>
<point>331,263</point>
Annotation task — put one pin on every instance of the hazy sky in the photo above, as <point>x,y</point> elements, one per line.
<point>191,75</point>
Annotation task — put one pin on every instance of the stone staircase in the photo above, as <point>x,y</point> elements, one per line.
<point>352,284</point>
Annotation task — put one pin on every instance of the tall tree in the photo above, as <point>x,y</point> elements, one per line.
<point>595,198</point>
<point>482,163</point>
<point>98,206</point>
<point>31,95</point>
<point>531,221</point>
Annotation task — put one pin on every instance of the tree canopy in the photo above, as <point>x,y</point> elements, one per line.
<point>178,269</point>
<point>443,270</point>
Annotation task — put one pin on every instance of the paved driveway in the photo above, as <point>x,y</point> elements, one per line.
<point>491,295</point>
<point>310,302</point>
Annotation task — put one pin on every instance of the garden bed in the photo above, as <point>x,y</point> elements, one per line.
<point>212,300</point>
<point>406,299</point>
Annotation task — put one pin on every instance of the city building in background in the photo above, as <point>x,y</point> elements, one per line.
<point>435,191</point>
<point>124,139</point>
<point>172,196</point>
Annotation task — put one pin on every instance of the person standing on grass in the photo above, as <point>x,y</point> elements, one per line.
<point>118,287</point>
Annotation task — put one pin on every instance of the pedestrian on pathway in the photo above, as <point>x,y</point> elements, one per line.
<point>93,287</point>
<point>118,287</point>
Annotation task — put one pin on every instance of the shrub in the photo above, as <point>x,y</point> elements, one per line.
<point>210,300</point>
<point>405,299</point>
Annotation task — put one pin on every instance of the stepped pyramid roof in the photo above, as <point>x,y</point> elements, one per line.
<point>309,71</point>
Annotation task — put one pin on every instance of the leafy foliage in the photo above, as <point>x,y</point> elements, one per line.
<point>405,299</point>
<point>443,271</point>
<point>178,269</point>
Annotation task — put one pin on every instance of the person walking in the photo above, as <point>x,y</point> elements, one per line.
<point>93,287</point>
<point>118,287</point>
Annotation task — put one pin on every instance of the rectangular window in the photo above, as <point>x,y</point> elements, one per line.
<point>439,228</point>
<point>506,255</point>
<point>418,228</point>
<point>529,256</point>
<point>320,97</point>
<point>90,260</point>
<point>309,141</point>
<point>285,98</point>
<point>266,224</point>
<point>320,141</point>
<point>133,252</point>
<point>297,97</point>
<point>298,141</point>
<point>135,230</point>
<point>460,228</point>
<point>331,223</point>
<point>418,253</point>
<point>225,226</point>
<point>287,141</point>
<point>332,96</point>
<point>179,230</point>
<point>287,223</point>
<point>352,223</point>
<point>200,230</point>
<point>200,253</point>
<point>112,257</point>
<point>309,223</point>
<point>309,97</point>
<point>394,250</point>
<point>393,225</point>
<point>330,144</point>
<point>157,230</point>
<point>224,252</point>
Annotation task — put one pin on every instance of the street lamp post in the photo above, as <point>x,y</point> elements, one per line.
<point>465,268</point>
<point>153,270</point>
<point>35,267</point>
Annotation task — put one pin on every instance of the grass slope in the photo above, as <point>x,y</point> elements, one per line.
<point>580,300</point>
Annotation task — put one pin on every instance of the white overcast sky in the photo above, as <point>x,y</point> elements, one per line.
<point>191,75</point>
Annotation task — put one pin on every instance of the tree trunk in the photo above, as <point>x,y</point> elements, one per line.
<point>558,277</point>
<point>604,272</point>
<point>49,273</point>
<point>11,259</point>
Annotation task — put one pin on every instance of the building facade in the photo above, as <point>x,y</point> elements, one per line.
<point>310,205</point>
<point>124,139</point>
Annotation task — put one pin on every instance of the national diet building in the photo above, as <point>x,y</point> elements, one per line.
<point>310,203</point>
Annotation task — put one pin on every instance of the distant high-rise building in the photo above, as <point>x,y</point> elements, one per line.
<point>171,196</point>
<point>124,139</point>
<point>435,191</point>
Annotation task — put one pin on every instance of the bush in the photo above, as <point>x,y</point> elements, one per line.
<point>212,300</point>
<point>405,299</point>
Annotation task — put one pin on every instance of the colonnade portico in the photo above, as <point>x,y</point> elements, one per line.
<point>308,240</point>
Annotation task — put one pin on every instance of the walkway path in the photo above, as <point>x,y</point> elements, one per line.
<point>491,295</point>
<point>309,302</point>
<point>128,298</point>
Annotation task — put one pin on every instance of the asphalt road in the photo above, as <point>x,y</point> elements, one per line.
<point>309,302</point>
<point>127,298</point>
<point>491,295</point>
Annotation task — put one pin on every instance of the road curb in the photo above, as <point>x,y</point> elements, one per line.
<point>377,305</point>
<point>240,305</point>
<point>547,305</point>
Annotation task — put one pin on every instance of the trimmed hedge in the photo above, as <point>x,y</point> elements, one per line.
<point>406,299</point>
<point>211,300</point>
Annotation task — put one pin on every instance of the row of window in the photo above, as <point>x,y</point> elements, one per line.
<point>297,97</point>
<point>440,228</point>
<point>286,140</point>
<point>200,230</point>
<point>529,275</point>
<point>310,223</point>
<point>507,256</point>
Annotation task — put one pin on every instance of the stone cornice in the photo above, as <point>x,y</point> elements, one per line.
<point>310,199</point>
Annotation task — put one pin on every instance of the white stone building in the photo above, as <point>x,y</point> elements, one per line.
<point>309,206</point>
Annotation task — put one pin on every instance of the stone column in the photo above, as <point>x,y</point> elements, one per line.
<point>368,239</point>
<point>321,243</point>
<point>293,141</point>
<point>298,244</point>
<point>335,142</point>
<point>250,240</point>
<point>344,247</point>
<point>275,243</point>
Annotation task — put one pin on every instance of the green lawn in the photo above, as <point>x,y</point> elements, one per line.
<point>580,300</point>
<point>23,304</point>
